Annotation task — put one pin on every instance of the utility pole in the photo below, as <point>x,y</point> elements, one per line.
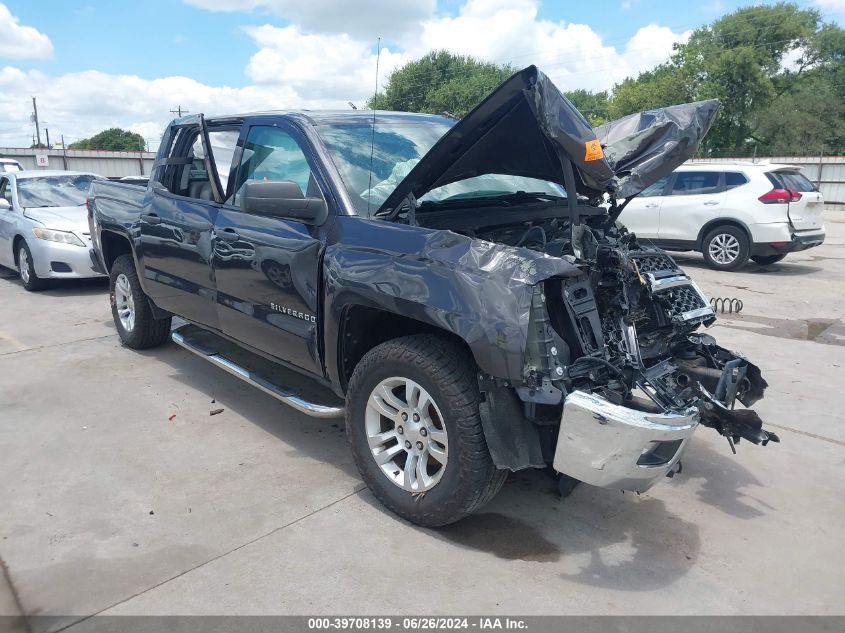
<point>64,152</point>
<point>35,119</point>
<point>178,111</point>
<point>47,130</point>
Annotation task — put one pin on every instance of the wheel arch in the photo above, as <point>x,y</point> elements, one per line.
<point>112,246</point>
<point>16,241</point>
<point>722,221</point>
<point>363,327</point>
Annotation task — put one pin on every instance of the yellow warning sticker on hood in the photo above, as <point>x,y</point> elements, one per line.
<point>593,150</point>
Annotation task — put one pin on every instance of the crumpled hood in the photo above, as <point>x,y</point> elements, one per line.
<point>60,218</point>
<point>526,127</point>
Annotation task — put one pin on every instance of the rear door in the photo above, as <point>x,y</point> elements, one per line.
<point>693,199</point>
<point>805,214</point>
<point>177,221</point>
<point>267,268</point>
<point>642,214</point>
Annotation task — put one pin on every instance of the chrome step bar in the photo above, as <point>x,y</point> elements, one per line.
<point>280,392</point>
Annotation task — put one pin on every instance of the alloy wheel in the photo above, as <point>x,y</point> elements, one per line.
<point>124,302</point>
<point>406,434</point>
<point>23,265</point>
<point>723,248</point>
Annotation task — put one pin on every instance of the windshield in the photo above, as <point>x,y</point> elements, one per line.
<point>54,191</point>
<point>396,148</point>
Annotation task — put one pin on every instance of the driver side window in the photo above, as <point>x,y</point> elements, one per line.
<point>272,154</point>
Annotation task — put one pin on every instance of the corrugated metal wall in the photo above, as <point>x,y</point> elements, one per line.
<point>826,172</point>
<point>109,164</point>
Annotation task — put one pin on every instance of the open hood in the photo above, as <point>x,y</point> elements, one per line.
<point>526,127</point>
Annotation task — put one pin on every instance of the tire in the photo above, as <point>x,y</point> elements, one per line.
<point>725,248</point>
<point>142,330</point>
<point>765,260</point>
<point>447,374</point>
<point>26,268</point>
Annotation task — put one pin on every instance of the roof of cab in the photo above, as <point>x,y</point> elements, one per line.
<point>320,117</point>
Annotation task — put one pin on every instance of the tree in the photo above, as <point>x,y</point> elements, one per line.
<point>112,139</point>
<point>440,82</point>
<point>759,61</point>
<point>593,105</point>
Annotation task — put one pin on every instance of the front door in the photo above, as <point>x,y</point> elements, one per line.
<point>694,198</point>
<point>177,225</point>
<point>267,267</point>
<point>642,214</point>
<point>7,224</point>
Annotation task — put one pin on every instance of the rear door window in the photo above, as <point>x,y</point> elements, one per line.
<point>689,183</point>
<point>734,179</point>
<point>6,190</point>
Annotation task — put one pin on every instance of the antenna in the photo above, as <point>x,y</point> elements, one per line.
<point>373,135</point>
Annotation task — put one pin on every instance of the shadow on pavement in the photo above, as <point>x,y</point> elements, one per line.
<point>61,287</point>
<point>784,268</point>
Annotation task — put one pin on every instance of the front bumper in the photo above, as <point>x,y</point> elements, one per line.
<point>799,241</point>
<point>54,260</point>
<point>611,446</point>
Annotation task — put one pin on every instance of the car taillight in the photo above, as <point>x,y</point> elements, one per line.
<point>776,196</point>
<point>795,195</point>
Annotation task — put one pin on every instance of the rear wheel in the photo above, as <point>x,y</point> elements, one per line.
<point>415,431</point>
<point>765,260</point>
<point>725,248</point>
<point>133,317</point>
<point>26,267</point>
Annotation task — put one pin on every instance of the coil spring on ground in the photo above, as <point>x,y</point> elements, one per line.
<point>731,305</point>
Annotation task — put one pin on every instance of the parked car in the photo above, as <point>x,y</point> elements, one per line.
<point>10,165</point>
<point>730,212</point>
<point>462,299</point>
<point>44,226</point>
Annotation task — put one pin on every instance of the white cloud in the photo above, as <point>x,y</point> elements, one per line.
<point>835,6</point>
<point>294,67</point>
<point>573,55</point>
<point>324,67</point>
<point>368,19</point>
<point>21,42</point>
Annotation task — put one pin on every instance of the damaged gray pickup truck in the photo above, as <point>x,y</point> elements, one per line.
<point>461,291</point>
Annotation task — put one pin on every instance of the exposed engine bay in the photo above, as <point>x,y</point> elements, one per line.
<point>626,329</point>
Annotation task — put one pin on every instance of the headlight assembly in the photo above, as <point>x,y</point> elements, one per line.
<point>65,237</point>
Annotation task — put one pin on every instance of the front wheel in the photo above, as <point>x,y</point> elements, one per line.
<point>133,317</point>
<point>415,430</point>
<point>26,268</point>
<point>725,248</point>
<point>765,260</point>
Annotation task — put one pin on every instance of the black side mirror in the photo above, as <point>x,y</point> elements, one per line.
<point>284,199</point>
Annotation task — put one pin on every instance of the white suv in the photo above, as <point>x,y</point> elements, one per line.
<point>730,212</point>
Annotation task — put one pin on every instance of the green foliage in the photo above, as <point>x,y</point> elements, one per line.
<point>778,70</point>
<point>112,139</point>
<point>771,66</point>
<point>593,105</point>
<point>440,82</point>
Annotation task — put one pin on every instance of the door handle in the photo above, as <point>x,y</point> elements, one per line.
<point>228,235</point>
<point>651,205</point>
<point>710,203</point>
<point>150,218</point>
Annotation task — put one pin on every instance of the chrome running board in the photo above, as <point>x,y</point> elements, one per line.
<point>280,392</point>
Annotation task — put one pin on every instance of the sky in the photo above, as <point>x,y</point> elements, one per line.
<point>103,63</point>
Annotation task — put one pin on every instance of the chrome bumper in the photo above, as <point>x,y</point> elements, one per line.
<point>611,446</point>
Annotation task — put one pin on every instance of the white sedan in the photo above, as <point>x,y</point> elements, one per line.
<point>44,226</point>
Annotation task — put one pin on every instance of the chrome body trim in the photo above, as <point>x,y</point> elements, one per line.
<point>600,443</point>
<point>280,392</point>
